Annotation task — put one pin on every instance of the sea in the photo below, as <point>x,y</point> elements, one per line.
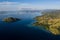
<point>23,29</point>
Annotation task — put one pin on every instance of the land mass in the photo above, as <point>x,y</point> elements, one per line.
<point>11,19</point>
<point>50,20</point>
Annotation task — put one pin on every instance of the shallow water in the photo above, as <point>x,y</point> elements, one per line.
<point>23,30</point>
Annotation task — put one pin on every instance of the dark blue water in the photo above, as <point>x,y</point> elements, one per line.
<point>23,30</point>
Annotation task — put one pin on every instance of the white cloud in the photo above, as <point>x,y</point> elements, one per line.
<point>8,3</point>
<point>7,6</point>
<point>11,6</point>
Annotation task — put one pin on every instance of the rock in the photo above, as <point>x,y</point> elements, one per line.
<point>11,19</point>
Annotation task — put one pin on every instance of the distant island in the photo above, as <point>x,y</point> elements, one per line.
<point>11,19</point>
<point>49,20</point>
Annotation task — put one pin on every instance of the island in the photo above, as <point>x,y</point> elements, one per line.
<point>11,19</point>
<point>50,21</point>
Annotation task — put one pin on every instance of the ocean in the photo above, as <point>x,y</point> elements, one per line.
<point>23,29</point>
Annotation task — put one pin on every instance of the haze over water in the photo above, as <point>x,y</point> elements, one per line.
<point>23,29</point>
<point>26,10</point>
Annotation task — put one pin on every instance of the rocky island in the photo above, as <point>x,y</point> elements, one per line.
<point>50,21</point>
<point>11,19</point>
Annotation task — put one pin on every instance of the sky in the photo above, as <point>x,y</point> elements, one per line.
<point>12,5</point>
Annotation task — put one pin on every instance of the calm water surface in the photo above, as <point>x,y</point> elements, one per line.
<point>23,30</point>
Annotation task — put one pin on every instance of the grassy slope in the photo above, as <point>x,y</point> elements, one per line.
<point>50,21</point>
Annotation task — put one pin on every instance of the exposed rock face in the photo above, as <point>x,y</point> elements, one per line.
<point>10,19</point>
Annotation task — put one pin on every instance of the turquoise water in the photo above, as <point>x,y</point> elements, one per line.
<point>23,30</point>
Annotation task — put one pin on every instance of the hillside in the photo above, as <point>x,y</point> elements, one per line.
<point>50,21</point>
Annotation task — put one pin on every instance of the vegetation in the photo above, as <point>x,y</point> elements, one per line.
<point>10,19</point>
<point>50,21</point>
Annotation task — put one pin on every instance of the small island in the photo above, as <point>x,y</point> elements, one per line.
<point>50,21</point>
<point>11,19</point>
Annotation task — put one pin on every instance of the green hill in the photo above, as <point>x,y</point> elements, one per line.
<point>50,21</point>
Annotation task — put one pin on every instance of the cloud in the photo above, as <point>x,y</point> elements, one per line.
<point>8,3</point>
<point>12,6</point>
<point>8,6</point>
